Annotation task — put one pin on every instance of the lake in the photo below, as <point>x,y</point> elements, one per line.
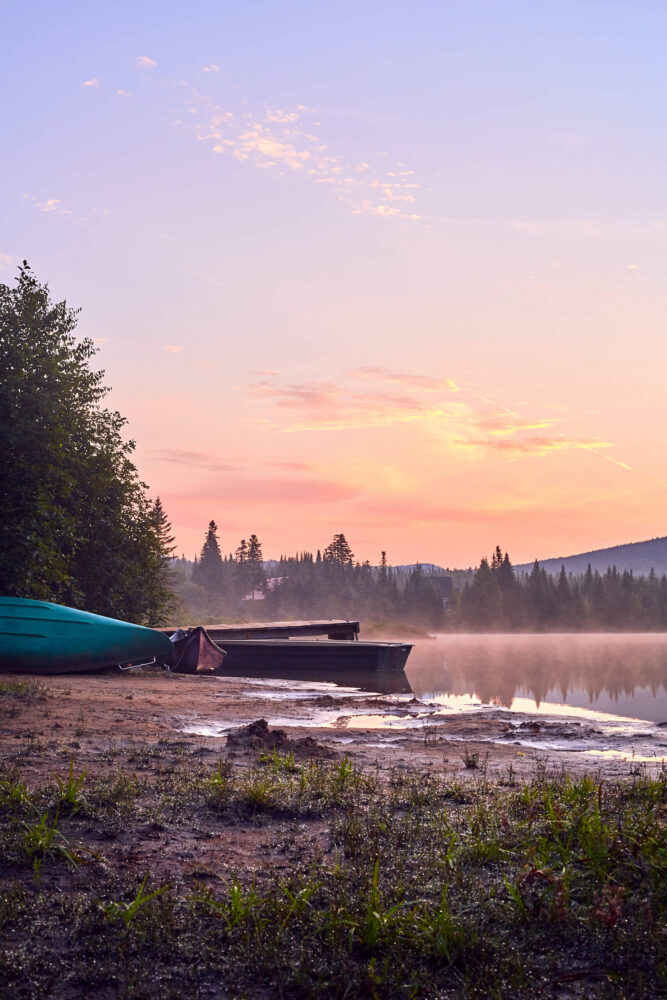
<point>582,674</point>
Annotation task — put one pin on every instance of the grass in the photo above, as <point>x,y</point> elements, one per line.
<point>30,690</point>
<point>418,885</point>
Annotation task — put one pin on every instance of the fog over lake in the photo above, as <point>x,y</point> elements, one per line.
<point>622,675</point>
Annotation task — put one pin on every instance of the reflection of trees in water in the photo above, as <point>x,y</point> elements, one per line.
<point>495,667</point>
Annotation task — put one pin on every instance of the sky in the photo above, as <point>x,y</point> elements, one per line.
<point>390,269</point>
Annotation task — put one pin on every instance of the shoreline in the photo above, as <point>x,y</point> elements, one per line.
<point>89,715</point>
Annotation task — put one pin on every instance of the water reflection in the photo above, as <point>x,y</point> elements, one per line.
<point>618,674</point>
<point>377,681</point>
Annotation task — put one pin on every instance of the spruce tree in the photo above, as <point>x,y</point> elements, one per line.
<point>208,571</point>
<point>338,552</point>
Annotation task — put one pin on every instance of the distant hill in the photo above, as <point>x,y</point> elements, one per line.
<point>640,557</point>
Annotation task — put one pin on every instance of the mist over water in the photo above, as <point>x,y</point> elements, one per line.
<point>622,675</point>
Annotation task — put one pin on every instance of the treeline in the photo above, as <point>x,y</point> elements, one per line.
<point>499,600</point>
<point>327,584</point>
<point>78,526</point>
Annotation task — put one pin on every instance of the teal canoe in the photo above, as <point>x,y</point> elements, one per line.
<point>42,638</point>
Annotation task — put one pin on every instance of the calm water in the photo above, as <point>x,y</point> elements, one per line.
<point>621,675</point>
<point>607,692</point>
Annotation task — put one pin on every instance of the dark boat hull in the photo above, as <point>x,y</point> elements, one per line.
<point>335,658</point>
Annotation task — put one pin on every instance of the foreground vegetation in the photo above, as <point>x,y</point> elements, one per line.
<point>407,885</point>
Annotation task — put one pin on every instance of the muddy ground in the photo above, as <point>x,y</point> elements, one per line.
<point>90,716</point>
<point>144,755</point>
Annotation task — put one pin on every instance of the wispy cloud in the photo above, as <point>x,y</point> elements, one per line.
<point>425,383</point>
<point>56,208</point>
<point>146,62</point>
<point>209,69</point>
<point>538,445</point>
<point>291,140</point>
<point>196,459</point>
<point>172,348</point>
<point>6,260</point>
<point>333,406</point>
<point>91,83</point>
<point>504,425</point>
<point>53,205</point>
<point>123,93</point>
<point>291,493</point>
<point>464,418</point>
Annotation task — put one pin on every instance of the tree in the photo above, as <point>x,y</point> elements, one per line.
<point>482,600</point>
<point>255,562</point>
<point>77,524</point>
<point>338,552</point>
<point>208,571</point>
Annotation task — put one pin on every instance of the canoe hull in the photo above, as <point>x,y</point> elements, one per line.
<point>38,637</point>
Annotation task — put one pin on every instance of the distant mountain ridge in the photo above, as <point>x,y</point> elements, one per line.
<point>640,557</point>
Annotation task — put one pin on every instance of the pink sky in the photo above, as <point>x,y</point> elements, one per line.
<point>353,271</point>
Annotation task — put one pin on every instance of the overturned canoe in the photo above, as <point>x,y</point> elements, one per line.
<point>43,638</point>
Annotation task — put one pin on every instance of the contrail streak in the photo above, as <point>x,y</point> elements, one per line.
<point>204,277</point>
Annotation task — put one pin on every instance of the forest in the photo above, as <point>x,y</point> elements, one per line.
<point>327,584</point>
<point>499,600</point>
<point>493,598</point>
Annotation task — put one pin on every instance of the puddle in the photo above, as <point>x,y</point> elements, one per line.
<point>456,717</point>
<point>624,755</point>
<point>205,729</point>
<point>281,690</point>
<point>378,721</point>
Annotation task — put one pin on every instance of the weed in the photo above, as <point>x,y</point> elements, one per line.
<point>14,795</point>
<point>71,798</point>
<point>219,787</point>
<point>470,758</point>
<point>128,911</point>
<point>279,761</point>
<point>26,691</point>
<point>43,838</point>
<point>240,906</point>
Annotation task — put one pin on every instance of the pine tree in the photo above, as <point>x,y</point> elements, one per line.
<point>208,571</point>
<point>163,599</point>
<point>256,574</point>
<point>338,552</point>
<point>482,600</point>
